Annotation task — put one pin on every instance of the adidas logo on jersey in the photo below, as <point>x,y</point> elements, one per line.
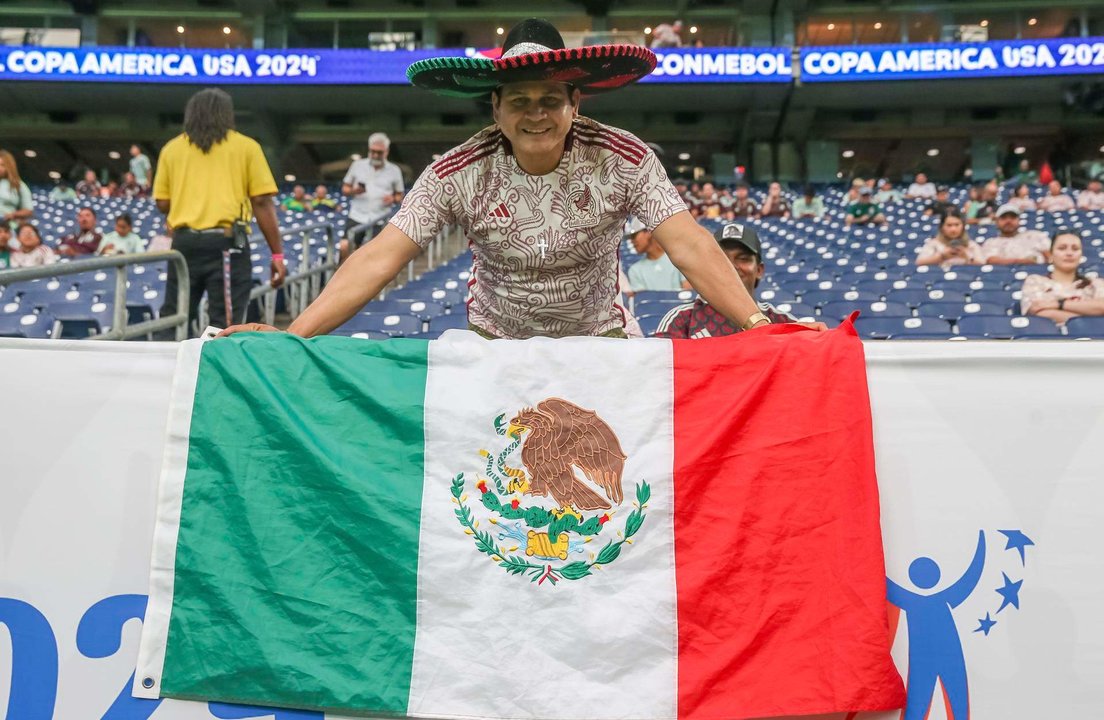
<point>501,212</point>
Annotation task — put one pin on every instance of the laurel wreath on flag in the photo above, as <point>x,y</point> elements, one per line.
<point>538,573</point>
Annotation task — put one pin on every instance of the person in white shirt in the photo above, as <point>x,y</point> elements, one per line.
<point>140,166</point>
<point>1091,198</point>
<point>921,188</point>
<point>123,240</point>
<point>1056,200</point>
<point>373,185</point>
<point>654,271</point>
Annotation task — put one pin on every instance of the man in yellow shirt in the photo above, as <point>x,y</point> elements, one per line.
<point>211,182</point>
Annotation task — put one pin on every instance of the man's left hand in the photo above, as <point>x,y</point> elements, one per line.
<point>818,326</point>
<point>279,273</point>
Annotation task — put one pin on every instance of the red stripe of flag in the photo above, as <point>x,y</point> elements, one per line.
<point>778,546</point>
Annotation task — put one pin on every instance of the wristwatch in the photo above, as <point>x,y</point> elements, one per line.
<point>755,319</point>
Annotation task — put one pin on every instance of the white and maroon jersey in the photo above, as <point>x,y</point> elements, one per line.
<point>545,247</point>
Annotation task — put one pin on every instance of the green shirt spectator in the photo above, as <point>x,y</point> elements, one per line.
<point>805,207</point>
<point>122,240</point>
<point>298,201</point>
<point>63,193</point>
<point>865,210</point>
<point>16,204</point>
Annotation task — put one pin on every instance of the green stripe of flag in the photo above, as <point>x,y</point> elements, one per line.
<point>274,483</point>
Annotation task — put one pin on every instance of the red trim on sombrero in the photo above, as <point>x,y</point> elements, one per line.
<point>623,146</point>
<point>443,166</point>
<point>588,52</point>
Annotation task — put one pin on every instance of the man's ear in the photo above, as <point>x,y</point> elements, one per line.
<point>495,99</point>
<point>576,98</point>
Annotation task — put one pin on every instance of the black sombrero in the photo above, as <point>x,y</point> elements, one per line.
<point>534,50</point>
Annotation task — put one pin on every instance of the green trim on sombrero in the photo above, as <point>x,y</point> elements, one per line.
<point>455,76</point>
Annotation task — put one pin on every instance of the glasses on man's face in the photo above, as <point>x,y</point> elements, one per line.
<point>375,152</point>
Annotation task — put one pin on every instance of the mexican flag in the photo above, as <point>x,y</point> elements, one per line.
<point>576,528</point>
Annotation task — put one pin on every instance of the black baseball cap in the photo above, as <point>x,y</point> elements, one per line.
<point>733,235</point>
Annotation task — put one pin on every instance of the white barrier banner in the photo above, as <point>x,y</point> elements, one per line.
<point>990,475</point>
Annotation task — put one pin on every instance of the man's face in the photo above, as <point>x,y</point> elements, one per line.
<point>135,150</point>
<point>1009,224</point>
<point>708,190</point>
<point>122,227</point>
<point>1055,187</point>
<point>320,191</point>
<point>941,196</point>
<point>641,241</point>
<point>747,266</point>
<point>128,178</point>
<point>921,179</point>
<point>299,192</point>
<point>1095,186</point>
<point>86,220</point>
<point>535,116</point>
<point>377,154</point>
<point>741,192</point>
<point>90,176</point>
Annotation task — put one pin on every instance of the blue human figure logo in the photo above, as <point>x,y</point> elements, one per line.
<point>935,650</point>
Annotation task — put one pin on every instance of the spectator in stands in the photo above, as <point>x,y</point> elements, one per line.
<point>1064,293</point>
<point>973,202</point>
<point>666,35</point>
<point>109,190</point>
<point>852,195</point>
<point>776,204</point>
<point>699,319</point>
<point>951,245</point>
<point>865,211</point>
<point>373,185</point>
<point>322,199</point>
<point>62,193</point>
<point>211,182</point>
<point>887,194</point>
<point>140,167</point>
<point>123,239</point>
<point>808,206</point>
<point>8,244</point>
<point>1025,175</point>
<point>1021,198</point>
<point>86,240</point>
<point>709,201</point>
<point>986,211</point>
<point>16,204</point>
<point>942,204</point>
<point>654,271</point>
<point>298,201</point>
<point>744,206</point>
<point>1014,246</point>
<point>130,188</point>
<point>548,268</point>
<point>921,188</point>
<point>1056,200</point>
<point>90,186</point>
<point>1091,198</point>
<point>32,252</point>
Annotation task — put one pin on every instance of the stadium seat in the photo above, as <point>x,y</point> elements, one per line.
<point>1004,327</point>
<point>1085,327</point>
<point>39,325</point>
<point>455,321</point>
<point>389,325</point>
<point>840,310</point>
<point>880,328</point>
<point>649,323</point>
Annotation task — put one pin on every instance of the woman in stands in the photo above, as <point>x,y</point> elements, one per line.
<point>31,251</point>
<point>1064,293</point>
<point>16,204</point>
<point>1022,199</point>
<point>951,245</point>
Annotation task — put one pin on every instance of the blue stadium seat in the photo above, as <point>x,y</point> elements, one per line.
<point>455,321</point>
<point>819,298</point>
<point>649,323</point>
<point>1004,327</point>
<point>801,311</point>
<point>676,297</point>
<point>28,325</point>
<point>880,328</point>
<point>387,324</point>
<point>840,310</point>
<point>1085,327</point>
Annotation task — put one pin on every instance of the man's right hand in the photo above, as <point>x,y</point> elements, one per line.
<point>247,327</point>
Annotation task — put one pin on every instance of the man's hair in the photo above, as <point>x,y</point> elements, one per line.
<point>125,217</point>
<point>379,138</point>
<point>208,118</point>
<point>88,208</point>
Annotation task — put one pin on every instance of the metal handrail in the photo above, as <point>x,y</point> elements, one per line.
<point>119,328</point>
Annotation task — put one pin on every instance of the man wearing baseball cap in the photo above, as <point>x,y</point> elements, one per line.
<point>865,211</point>
<point>1014,246</point>
<point>699,319</point>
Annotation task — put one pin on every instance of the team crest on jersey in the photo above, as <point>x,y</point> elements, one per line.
<point>582,207</point>
<point>547,520</point>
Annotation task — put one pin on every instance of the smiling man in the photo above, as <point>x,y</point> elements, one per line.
<point>699,319</point>
<point>542,196</point>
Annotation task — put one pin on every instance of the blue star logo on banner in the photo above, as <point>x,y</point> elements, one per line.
<point>985,624</point>
<point>1010,592</point>
<point>1017,541</point>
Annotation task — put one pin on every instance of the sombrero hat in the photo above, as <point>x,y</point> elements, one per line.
<point>534,50</point>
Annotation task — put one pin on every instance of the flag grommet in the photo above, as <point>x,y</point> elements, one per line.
<point>147,683</point>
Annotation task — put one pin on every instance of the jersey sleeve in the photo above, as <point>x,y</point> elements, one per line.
<point>675,325</point>
<point>425,210</point>
<point>653,198</point>
<point>259,174</point>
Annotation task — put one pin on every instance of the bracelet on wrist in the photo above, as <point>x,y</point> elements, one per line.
<point>277,257</point>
